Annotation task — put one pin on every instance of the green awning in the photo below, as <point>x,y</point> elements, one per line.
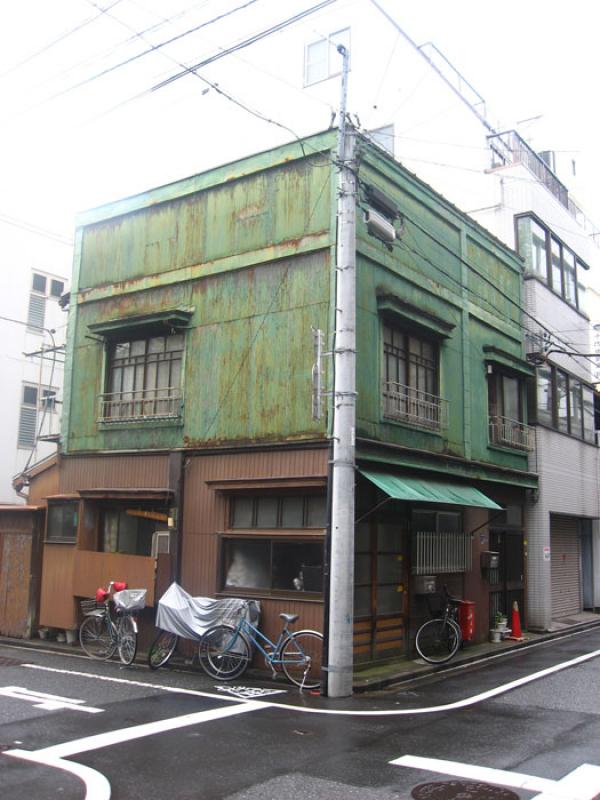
<point>418,490</point>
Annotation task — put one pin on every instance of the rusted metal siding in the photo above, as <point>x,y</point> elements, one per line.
<point>205,509</point>
<point>272,205</point>
<point>148,471</point>
<point>19,571</point>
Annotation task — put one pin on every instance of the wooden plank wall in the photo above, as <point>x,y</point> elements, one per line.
<point>19,575</point>
<point>205,509</point>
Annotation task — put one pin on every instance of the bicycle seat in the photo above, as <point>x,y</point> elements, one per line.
<point>289,618</point>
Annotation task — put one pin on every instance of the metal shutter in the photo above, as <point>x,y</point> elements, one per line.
<point>566,566</point>
<point>37,311</point>
<point>27,427</point>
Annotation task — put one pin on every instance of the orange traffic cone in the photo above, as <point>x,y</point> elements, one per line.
<point>517,633</point>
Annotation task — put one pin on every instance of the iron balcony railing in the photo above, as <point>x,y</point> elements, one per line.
<point>509,148</point>
<point>421,409</point>
<point>164,403</point>
<point>511,433</point>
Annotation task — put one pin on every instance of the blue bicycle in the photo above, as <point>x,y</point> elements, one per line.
<point>225,651</point>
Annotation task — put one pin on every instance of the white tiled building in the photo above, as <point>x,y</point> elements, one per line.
<point>35,270</point>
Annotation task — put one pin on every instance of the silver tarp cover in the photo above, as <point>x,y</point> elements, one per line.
<point>130,599</point>
<point>189,617</point>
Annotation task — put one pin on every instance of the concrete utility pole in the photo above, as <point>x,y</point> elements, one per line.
<point>341,586</point>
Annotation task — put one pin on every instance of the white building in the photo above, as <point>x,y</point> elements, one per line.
<point>35,267</point>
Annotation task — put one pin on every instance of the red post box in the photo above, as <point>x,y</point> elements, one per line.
<point>466,619</point>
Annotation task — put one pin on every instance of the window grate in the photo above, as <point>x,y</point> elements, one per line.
<point>436,552</point>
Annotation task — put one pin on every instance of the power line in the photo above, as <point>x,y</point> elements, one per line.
<point>31,228</point>
<point>59,39</point>
<point>243,44</point>
<point>114,67</point>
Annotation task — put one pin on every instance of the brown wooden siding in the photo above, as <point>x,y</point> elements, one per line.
<point>92,570</point>
<point>20,534</point>
<point>114,472</point>
<point>205,509</point>
<point>42,485</point>
<point>57,606</point>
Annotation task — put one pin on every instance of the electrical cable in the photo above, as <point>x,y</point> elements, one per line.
<point>257,37</point>
<point>59,39</point>
<point>30,227</point>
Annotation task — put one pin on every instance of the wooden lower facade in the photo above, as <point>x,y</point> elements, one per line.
<point>251,523</point>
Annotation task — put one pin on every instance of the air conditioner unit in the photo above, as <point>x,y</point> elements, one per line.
<point>380,227</point>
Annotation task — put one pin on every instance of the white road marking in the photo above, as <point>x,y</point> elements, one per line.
<point>96,784</point>
<point>457,704</point>
<point>582,783</point>
<point>49,702</point>
<point>248,692</point>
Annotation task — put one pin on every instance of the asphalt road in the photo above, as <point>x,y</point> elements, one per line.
<point>128,733</point>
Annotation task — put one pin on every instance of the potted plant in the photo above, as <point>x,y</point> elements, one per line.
<point>501,621</point>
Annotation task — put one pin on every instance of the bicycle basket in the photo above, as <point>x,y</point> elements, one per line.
<point>89,607</point>
<point>130,599</point>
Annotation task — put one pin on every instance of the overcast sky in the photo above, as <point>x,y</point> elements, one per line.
<point>66,149</point>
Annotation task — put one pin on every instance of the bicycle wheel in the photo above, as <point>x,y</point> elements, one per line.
<point>301,659</point>
<point>127,639</point>
<point>224,652</point>
<point>162,649</point>
<point>96,638</point>
<point>438,640</point>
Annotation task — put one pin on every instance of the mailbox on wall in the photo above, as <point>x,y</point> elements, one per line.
<point>490,560</point>
<point>424,584</point>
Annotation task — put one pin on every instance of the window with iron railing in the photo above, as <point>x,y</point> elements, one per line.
<point>506,403</point>
<point>410,380</point>
<point>143,379</point>
<point>439,543</point>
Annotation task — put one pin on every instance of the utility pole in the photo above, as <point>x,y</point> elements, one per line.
<point>341,567</point>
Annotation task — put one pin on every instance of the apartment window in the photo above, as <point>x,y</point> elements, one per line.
<point>532,246</point>
<point>56,288</point>
<point>410,378</point>
<point>561,400</point>
<point>545,394</point>
<point>565,403</point>
<point>143,379</point>
<point>42,287</point>
<point>321,58</point>
<point>277,551</point>
<point>547,257</point>
<point>62,522</point>
<point>130,530</point>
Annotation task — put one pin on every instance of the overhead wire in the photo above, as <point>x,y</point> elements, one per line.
<point>108,70</point>
<point>30,227</point>
<point>59,39</point>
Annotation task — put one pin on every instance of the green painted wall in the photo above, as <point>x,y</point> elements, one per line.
<point>248,250</point>
<point>445,268</point>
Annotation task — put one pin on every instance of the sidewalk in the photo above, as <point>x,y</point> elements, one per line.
<point>393,673</point>
<point>404,670</point>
